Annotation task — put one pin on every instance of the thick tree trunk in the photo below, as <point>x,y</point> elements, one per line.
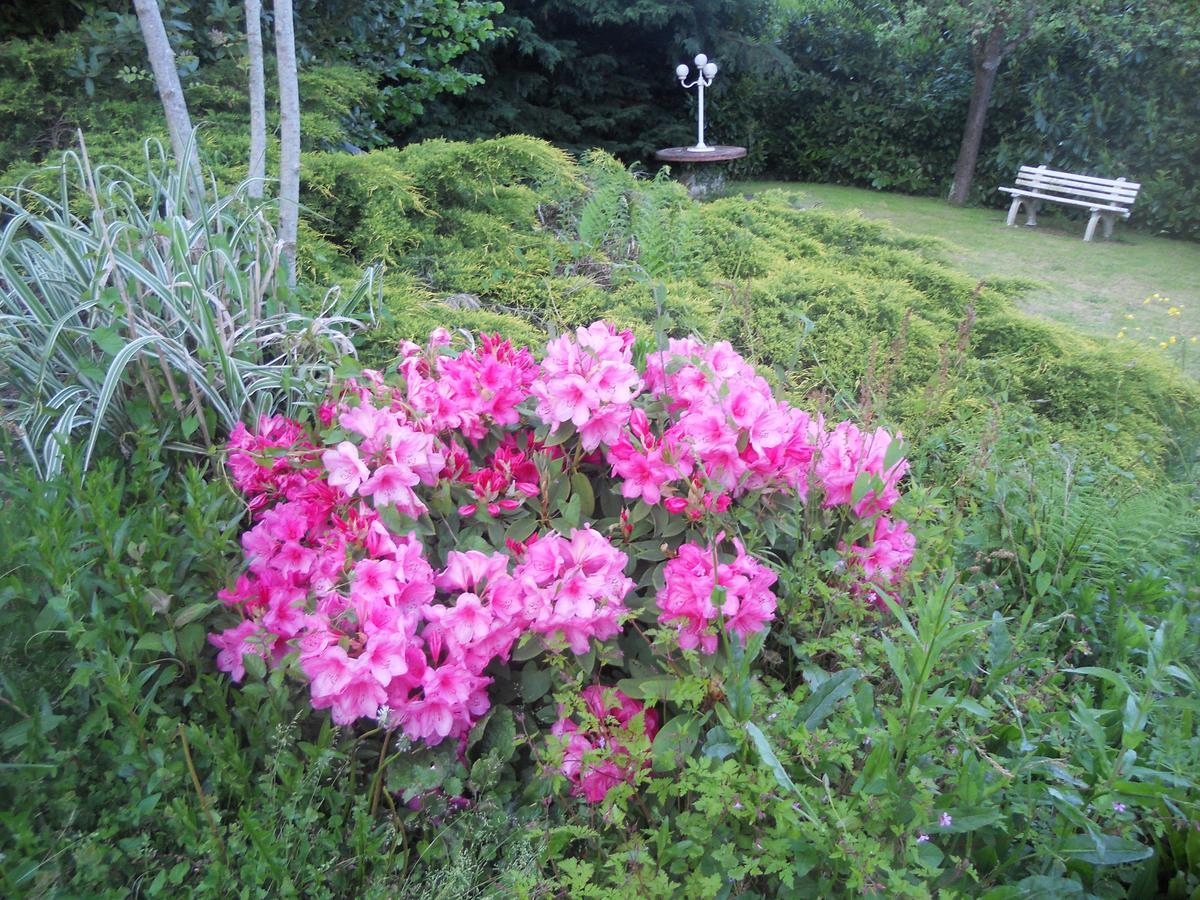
<point>258,102</point>
<point>166,76</point>
<point>987,57</point>
<point>289,135</point>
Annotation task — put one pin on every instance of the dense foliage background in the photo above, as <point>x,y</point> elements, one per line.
<point>847,91</point>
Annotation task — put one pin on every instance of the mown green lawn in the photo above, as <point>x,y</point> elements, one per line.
<point>1093,286</point>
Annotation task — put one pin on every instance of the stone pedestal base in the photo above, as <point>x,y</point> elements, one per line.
<point>696,170</point>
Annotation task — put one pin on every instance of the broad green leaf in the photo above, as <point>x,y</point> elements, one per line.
<point>535,683</point>
<point>769,758</point>
<point>581,487</point>
<point>1105,849</point>
<point>675,742</point>
<point>825,698</point>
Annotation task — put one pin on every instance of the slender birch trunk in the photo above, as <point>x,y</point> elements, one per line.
<point>166,76</point>
<point>289,135</point>
<point>258,102</point>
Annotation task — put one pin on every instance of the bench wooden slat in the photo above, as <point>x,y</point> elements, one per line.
<point>1110,196</point>
<point>1086,204</point>
<point>1112,187</point>
<point>1091,179</point>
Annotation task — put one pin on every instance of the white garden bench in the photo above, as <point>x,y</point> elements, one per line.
<point>1104,198</point>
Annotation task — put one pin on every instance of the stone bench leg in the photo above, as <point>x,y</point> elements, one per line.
<point>1031,211</point>
<point>1012,212</point>
<point>1107,218</point>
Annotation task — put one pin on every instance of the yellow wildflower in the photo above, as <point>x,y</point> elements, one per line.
<point>1129,315</point>
<point>1162,344</point>
<point>1171,340</point>
<point>1173,311</point>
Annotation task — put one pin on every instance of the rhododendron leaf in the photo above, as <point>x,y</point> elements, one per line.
<point>531,645</point>
<point>675,742</point>
<point>653,687</point>
<point>581,487</point>
<point>255,665</point>
<point>718,743</point>
<point>863,483</point>
<point>825,698</point>
<point>587,662</point>
<point>191,613</point>
<point>571,512</point>
<point>500,735</point>
<point>521,529</point>
<point>639,511</point>
<point>564,433</point>
<point>535,683</point>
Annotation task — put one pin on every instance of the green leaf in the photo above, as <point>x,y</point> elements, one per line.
<point>521,529</point>
<point>150,641</point>
<point>565,432</point>
<point>962,822</point>
<point>530,646</point>
<point>675,742</point>
<point>718,743</point>
<point>190,614</point>
<point>1035,561</point>
<point>535,683</point>
<point>1105,849</point>
<point>825,699</point>
<point>581,487</point>
<point>651,687</point>
<point>500,734</point>
<point>769,758</point>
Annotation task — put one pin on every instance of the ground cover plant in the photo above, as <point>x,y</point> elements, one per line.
<point>1094,292</point>
<point>1014,716</point>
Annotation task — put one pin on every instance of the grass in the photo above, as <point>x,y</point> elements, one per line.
<point>1095,287</point>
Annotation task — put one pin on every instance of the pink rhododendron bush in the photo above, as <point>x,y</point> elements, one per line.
<point>449,536</point>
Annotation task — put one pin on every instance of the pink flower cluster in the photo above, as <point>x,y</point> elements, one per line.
<point>589,381</point>
<point>724,428</point>
<point>471,391</point>
<point>350,520</point>
<point>884,561</point>
<point>596,758</point>
<point>692,578</point>
<point>846,453</point>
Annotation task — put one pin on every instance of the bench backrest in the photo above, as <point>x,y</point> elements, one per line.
<point>1114,192</point>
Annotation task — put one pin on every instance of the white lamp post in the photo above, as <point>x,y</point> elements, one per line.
<point>707,71</point>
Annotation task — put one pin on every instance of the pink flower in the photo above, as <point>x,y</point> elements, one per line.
<point>234,643</point>
<point>346,470</point>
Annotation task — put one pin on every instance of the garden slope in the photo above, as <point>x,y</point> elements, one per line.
<point>513,234</point>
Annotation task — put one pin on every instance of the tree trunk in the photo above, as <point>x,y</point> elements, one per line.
<point>987,56</point>
<point>170,91</point>
<point>258,103</point>
<point>289,135</point>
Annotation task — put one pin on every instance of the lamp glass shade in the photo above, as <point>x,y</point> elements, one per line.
<point>681,71</point>
<point>710,70</point>
<point>700,60</point>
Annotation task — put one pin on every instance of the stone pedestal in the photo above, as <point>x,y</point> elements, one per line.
<point>698,169</point>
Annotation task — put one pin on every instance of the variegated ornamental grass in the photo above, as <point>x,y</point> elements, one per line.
<point>128,299</point>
